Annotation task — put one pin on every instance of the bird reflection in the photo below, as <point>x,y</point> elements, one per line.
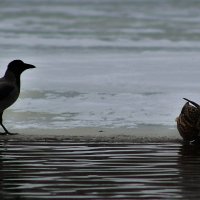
<point>189,169</point>
<point>190,148</point>
<point>6,173</point>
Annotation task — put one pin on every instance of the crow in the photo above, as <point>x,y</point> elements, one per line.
<point>10,87</point>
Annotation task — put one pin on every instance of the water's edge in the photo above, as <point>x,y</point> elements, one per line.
<point>98,134</point>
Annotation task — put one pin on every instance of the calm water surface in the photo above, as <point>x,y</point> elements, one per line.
<point>70,170</point>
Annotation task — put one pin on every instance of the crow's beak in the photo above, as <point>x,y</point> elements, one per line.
<point>29,66</point>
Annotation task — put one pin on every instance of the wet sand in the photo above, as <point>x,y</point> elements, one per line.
<point>79,165</point>
<point>140,134</point>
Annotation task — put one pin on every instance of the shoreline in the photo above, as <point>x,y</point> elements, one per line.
<point>141,134</point>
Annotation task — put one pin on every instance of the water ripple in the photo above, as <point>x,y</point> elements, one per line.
<point>66,170</point>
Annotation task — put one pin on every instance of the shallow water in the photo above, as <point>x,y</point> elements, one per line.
<point>68,170</point>
<point>108,63</point>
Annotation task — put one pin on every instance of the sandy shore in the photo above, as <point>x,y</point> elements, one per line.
<point>139,134</point>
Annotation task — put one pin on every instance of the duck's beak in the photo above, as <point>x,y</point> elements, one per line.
<point>193,103</point>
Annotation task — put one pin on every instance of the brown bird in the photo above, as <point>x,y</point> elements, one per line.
<point>188,122</point>
<point>10,86</point>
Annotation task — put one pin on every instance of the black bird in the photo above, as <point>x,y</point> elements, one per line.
<point>10,86</point>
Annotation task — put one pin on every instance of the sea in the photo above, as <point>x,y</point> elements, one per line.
<point>113,64</point>
<point>107,63</point>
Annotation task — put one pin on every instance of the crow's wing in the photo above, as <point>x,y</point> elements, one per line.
<point>5,90</point>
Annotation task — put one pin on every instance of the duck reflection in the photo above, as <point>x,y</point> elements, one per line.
<point>189,165</point>
<point>190,149</point>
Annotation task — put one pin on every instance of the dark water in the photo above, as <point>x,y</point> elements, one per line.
<point>72,170</point>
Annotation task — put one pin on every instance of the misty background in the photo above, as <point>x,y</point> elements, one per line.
<point>108,63</point>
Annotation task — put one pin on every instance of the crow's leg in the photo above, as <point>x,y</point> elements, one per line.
<point>4,128</point>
